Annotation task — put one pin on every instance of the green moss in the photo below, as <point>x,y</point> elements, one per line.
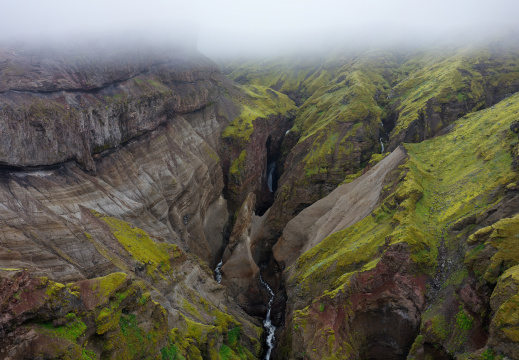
<point>505,302</point>
<point>138,243</point>
<point>237,169</point>
<point>494,249</point>
<point>107,320</point>
<point>107,254</point>
<point>172,352</point>
<point>107,285</point>
<point>191,310</point>
<point>440,327</point>
<point>258,102</point>
<point>463,320</point>
<point>72,330</point>
<point>144,298</point>
<point>488,354</point>
<point>88,355</point>
<point>226,353</point>
<point>233,336</point>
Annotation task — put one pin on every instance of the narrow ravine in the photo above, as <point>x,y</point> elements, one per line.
<point>267,323</point>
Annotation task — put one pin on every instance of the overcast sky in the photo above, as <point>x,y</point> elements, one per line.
<point>261,27</point>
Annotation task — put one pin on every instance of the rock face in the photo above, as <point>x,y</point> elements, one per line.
<point>143,195</point>
<point>240,273</point>
<point>58,107</point>
<point>164,183</point>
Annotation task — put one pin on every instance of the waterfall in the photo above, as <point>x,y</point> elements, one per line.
<point>382,144</point>
<point>270,172</point>
<point>271,329</point>
<point>218,273</point>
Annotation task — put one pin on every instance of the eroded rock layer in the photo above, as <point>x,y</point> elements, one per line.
<point>61,106</point>
<point>107,255</point>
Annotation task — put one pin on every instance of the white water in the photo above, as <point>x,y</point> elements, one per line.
<point>218,273</point>
<point>271,329</point>
<point>270,172</point>
<point>381,143</point>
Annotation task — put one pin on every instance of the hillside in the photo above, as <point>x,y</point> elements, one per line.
<point>362,204</point>
<point>433,257</point>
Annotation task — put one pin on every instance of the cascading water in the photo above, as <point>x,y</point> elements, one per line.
<point>382,144</point>
<point>271,168</point>
<point>218,273</point>
<point>271,329</point>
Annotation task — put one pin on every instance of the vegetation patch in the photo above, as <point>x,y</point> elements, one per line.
<point>155,255</point>
<point>72,330</point>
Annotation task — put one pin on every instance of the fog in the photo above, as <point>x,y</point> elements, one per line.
<point>238,27</point>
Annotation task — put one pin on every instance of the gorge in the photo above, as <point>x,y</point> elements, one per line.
<point>362,204</point>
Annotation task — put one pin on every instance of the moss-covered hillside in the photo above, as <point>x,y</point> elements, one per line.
<point>351,104</point>
<point>436,258</point>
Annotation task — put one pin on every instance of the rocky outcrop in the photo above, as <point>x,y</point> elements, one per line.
<point>120,316</point>
<point>164,183</point>
<point>376,317</point>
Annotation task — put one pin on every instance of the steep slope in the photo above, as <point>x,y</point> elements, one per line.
<point>111,210</point>
<point>351,104</point>
<point>403,267</point>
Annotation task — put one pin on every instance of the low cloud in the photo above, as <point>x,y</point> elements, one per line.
<point>237,27</point>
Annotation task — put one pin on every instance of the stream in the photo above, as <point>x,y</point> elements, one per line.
<point>271,329</point>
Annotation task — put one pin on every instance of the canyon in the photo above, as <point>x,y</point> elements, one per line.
<point>366,202</point>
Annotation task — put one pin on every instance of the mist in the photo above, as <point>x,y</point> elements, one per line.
<point>230,28</point>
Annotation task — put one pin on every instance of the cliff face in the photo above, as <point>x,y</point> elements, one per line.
<point>96,253</point>
<point>56,107</point>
